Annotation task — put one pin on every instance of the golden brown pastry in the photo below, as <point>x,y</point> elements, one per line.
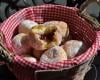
<point>61,26</point>
<point>43,37</point>
<point>53,55</point>
<point>29,58</point>
<point>21,43</point>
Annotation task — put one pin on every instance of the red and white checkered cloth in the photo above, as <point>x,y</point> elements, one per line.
<point>98,39</point>
<point>79,29</point>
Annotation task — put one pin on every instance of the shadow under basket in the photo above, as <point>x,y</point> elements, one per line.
<point>71,69</point>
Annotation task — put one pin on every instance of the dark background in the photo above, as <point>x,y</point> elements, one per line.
<point>8,7</point>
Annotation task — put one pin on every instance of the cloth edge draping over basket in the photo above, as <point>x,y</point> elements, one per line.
<point>8,27</point>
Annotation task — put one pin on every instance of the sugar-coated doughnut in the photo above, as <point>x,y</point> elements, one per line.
<point>72,47</point>
<point>43,37</point>
<point>20,43</point>
<point>53,55</point>
<point>26,25</point>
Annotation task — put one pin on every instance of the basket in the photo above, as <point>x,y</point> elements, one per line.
<point>71,69</point>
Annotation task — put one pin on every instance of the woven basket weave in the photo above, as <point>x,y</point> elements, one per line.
<point>71,69</point>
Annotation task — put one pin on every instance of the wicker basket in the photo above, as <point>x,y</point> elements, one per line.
<point>71,69</point>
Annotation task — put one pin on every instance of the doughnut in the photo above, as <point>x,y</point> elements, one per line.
<point>20,43</point>
<point>26,25</point>
<point>53,55</point>
<point>43,37</point>
<point>61,26</point>
<point>72,47</point>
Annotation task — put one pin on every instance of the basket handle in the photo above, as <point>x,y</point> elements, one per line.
<point>84,12</point>
<point>5,55</point>
<point>92,20</point>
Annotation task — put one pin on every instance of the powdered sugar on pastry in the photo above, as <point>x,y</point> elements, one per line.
<point>26,25</point>
<point>53,55</point>
<point>20,43</point>
<point>72,47</point>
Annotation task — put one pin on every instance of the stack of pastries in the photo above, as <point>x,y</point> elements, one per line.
<point>45,42</point>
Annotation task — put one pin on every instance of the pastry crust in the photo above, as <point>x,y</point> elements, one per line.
<point>26,25</point>
<point>49,34</point>
<point>53,55</point>
<point>72,47</point>
<point>30,59</point>
<point>37,53</point>
<point>61,26</point>
<point>21,44</point>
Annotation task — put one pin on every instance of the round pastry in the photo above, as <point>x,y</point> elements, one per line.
<point>43,37</point>
<point>53,55</point>
<point>72,47</point>
<point>26,26</point>
<point>20,43</point>
<point>61,26</point>
<point>36,42</point>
